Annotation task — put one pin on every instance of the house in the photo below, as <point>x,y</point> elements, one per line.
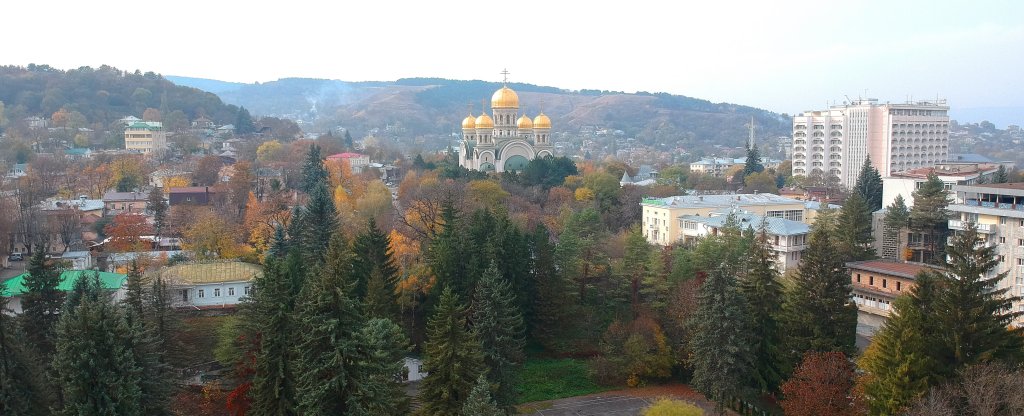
<point>645,176</point>
<point>161,176</point>
<point>119,262</point>
<point>18,170</point>
<point>788,238</point>
<point>660,215</point>
<point>356,161</point>
<point>210,285</point>
<point>78,260</point>
<point>876,284</point>
<point>192,195</point>
<point>202,123</point>
<point>78,153</point>
<point>226,130</point>
<point>119,202</point>
<point>69,222</point>
<point>35,122</point>
<point>14,287</point>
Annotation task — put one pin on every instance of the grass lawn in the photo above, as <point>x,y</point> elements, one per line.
<point>548,379</point>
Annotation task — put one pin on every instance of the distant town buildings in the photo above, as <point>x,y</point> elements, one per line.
<point>356,161</point>
<point>718,166</point>
<point>506,142</point>
<point>145,137</point>
<point>897,137</point>
<point>950,173</point>
<point>645,176</point>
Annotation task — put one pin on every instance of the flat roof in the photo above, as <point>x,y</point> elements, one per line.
<point>16,285</point>
<point>891,267</point>
<point>204,273</point>
<point>720,201</point>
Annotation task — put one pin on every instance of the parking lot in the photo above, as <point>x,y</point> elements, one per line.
<point>605,405</point>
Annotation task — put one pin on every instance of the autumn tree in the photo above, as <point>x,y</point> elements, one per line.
<point>210,236</point>
<point>151,114</point>
<point>207,172</point>
<point>821,385</point>
<point>239,186</point>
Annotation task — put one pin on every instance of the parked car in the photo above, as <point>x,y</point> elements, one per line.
<point>16,257</point>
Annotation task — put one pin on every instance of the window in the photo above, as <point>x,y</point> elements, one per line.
<point>231,291</point>
<point>1002,220</point>
<point>871,280</point>
<point>202,293</point>
<point>216,292</point>
<point>885,283</point>
<point>247,290</point>
<point>898,286</point>
<point>1002,258</point>
<point>1002,240</point>
<point>858,277</point>
<point>1020,242</point>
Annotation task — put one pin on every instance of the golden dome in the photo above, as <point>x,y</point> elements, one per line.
<point>541,122</point>
<point>469,122</point>
<point>505,98</point>
<point>524,122</point>
<point>484,122</point>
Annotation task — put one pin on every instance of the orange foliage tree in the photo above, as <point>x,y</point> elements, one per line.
<point>125,232</point>
<point>210,236</point>
<point>821,385</point>
<point>262,218</point>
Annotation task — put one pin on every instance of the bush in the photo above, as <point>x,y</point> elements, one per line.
<point>668,407</point>
<point>633,353</point>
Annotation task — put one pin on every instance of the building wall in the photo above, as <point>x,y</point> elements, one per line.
<point>212,294</point>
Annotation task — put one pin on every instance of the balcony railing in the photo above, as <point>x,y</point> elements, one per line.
<point>982,228</point>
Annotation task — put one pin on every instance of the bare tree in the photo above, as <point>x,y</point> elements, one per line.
<point>66,223</point>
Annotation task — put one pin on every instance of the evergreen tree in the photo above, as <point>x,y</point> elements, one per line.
<point>349,143</point>
<point>763,293</point>
<point>553,304</point>
<point>854,230</point>
<point>818,311</point>
<point>279,245</point>
<point>869,186</point>
<point>147,353</point>
<point>479,402</point>
<point>930,219</point>
<point>722,345</point>
<point>41,303</point>
<point>273,385</point>
<point>386,344</point>
<point>499,324</point>
<point>157,206</point>
<point>753,163</point>
<point>19,387</point>
<point>1001,175</point>
<point>243,122</point>
<point>319,222</point>
<point>134,294</point>
<point>897,217</point>
<point>373,258</point>
<point>313,172</point>
<point>94,361</point>
<point>636,265</point>
<point>454,359</point>
<point>445,253</point>
<point>510,251</point>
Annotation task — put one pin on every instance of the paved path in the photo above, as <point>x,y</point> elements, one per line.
<point>629,402</point>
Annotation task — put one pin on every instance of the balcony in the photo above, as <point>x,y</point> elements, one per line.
<point>982,228</point>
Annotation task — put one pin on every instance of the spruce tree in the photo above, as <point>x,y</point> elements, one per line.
<point>553,304</point>
<point>148,354</point>
<point>763,293</point>
<point>453,361</point>
<point>41,303</point>
<point>20,393</point>
<point>636,265</point>
<point>279,245</point>
<point>897,217</point>
<point>480,402</point>
<point>313,172</point>
<point>134,294</point>
<point>1000,176</point>
<point>386,346</point>
<point>273,385</point>
<point>157,206</point>
<point>95,364</point>
<point>319,222</point>
<point>373,258</point>
<point>753,163</point>
<point>511,252</point>
<point>722,345</point>
<point>497,320</point>
<point>818,310</point>
<point>869,186</point>
<point>854,230</point>
<point>445,254</point>
<point>930,218</point>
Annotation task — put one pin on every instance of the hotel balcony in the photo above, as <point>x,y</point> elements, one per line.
<point>982,228</point>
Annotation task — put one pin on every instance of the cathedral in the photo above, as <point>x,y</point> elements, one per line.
<point>504,141</point>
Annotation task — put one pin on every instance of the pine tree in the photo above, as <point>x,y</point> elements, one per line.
<point>818,311</point>
<point>133,289</point>
<point>319,222</point>
<point>929,217</point>
<point>95,364</point>
<point>243,122</point>
<point>273,385</point>
<point>1000,176</point>
<point>479,402</point>
<point>553,304</point>
<point>763,293</point>
<point>753,163</point>
<point>157,206</point>
<point>19,387</point>
<point>386,344</point>
<point>497,320</point>
<point>445,253</point>
<point>869,186</point>
<point>454,359</point>
<point>373,256</point>
<point>41,303</point>
<point>897,217</point>
<point>313,172</point>
<point>636,265</point>
<point>349,144</point>
<point>722,349</point>
<point>854,230</point>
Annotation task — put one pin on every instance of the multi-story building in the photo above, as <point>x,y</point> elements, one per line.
<point>145,137</point>
<point>897,137</point>
<point>876,284</point>
<point>998,211</point>
<point>719,166</point>
<point>950,173</point>
<point>660,218</point>
<point>787,238</point>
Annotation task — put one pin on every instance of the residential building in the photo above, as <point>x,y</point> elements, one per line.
<point>787,238</point>
<point>78,260</point>
<point>504,140</point>
<point>17,170</point>
<point>998,211</point>
<point>898,137</point>
<point>131,202</point>
<point>145,137</point>
<point>192,195</point>
<point>719,166</point>
<point>356,161</point>
<point>950,173</point>
<point>14,287</point>
<point>660,215</point>
<point>161,177</point>
<point>645,175</point>
<point>210,285</point>
<point>876,284</point>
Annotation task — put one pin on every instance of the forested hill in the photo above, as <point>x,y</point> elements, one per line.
<point>437,105</point>
<point>103,95</point>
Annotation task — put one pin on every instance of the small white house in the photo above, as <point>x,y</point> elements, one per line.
<point>210,285</point>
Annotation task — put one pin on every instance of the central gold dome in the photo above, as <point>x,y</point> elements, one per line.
<point>505,98</point>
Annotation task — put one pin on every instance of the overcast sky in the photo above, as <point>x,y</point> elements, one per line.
<point>782,56</point>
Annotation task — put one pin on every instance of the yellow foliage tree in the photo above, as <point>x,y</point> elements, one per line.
<point>126,166</point>
<point>211,237</point>
<point>584,194</point>
<point>669,407</point>
<point>175,182</point>
<point>375,202</point>
<point>486,193</point>
<point>270,151</point>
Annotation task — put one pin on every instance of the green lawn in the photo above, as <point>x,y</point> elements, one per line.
<point>548,379</point>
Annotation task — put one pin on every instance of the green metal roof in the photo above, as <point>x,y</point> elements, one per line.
<point>16,285</point>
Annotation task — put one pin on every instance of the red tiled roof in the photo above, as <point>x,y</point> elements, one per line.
<point>906,270</point>
<point>346,155</point>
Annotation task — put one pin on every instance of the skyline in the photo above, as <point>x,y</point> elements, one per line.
<point>785,58</point>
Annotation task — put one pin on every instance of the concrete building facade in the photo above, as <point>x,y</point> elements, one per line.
<point>787,238</point>
<point>145,137</point>
<point>660,216</point>
<point>876,284</point>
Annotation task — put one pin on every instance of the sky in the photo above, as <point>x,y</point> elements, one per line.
<point>784,56</point>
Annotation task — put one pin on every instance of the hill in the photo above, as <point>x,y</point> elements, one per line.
<point>437,106</point>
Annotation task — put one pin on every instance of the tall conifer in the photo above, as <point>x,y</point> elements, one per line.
<point>869,186</point>
<point>480,402</point>
<point>19,386</point>
<point>374,260</point>
<point>897,217</point>
<point>41,303</point>
<point>453,361</point>
<point>854,230</point>
<point>497,320</point>
<point>763,293</point>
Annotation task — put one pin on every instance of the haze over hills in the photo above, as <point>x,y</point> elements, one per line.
<point>437,106</point>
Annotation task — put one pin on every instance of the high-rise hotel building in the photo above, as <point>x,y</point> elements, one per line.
<point>898,137</point>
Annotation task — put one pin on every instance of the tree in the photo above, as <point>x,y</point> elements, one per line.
<point>157,206</point>
<point>319,220</point>
<point>313,172</point>
<point>897,217</point>
<point>95,364</point>
<point>929,218</point>
<point>753,163</point>
<point>869,186</point>
<point>553,304</point>
<point>243,122</point>
<point>41,303</point>
<point>151,114</point>
<point>125,232</point>
<point>20,393</point>
<point>386,345</point>
<point>818,311</point>
<point>210,236</point>
<point>239,185</point>
<point>821,385</point>
<point>763,292</point>
<point>207,172</point>
<point>854,230</point>
<point>454,360</point>
<point>984,389</point>
<point>1001,175</point>
<point>479,402</point>
<point>761,182</point>
<point>722,354</point>
<point>274,381</point>
<point>499,323</point>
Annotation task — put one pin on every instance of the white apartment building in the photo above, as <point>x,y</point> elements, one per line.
<point>787,238</point>
<point>898,137</point>
<point>998,211</point>
<point>950,173</point>
<point>660,217</point>
<point>145,137</point>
